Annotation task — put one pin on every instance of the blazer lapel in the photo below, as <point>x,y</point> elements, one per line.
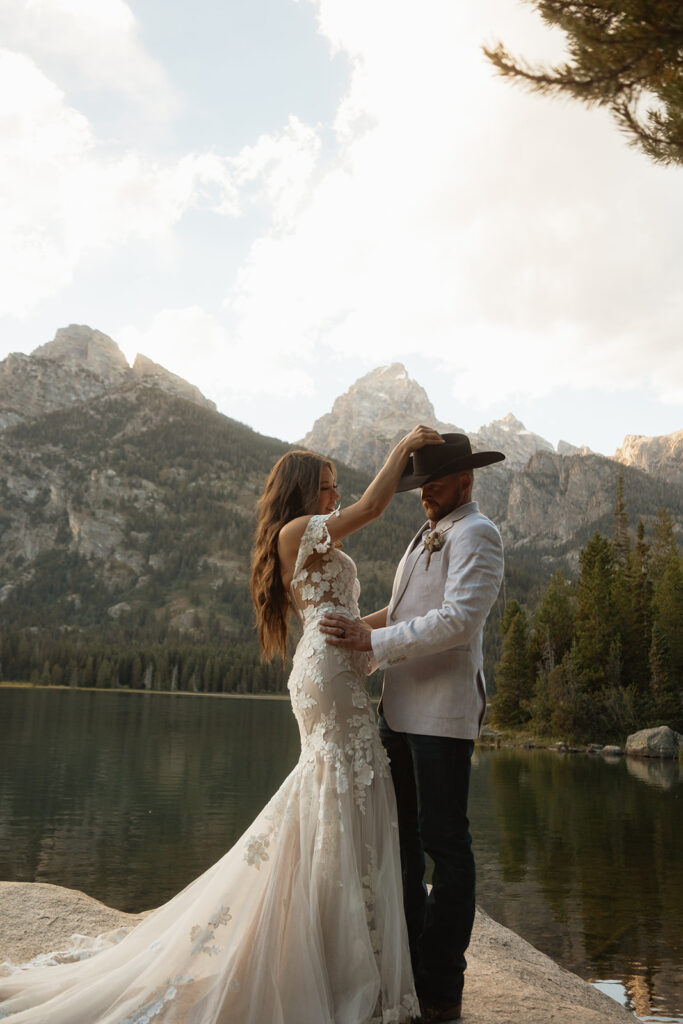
<point>405,570</point>
<point>415,549</point>
<point>406,566</point>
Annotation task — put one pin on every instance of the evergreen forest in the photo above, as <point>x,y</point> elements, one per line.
<point>601,656</point>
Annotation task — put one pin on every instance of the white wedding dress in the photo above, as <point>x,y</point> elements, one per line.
<point>301,922</point>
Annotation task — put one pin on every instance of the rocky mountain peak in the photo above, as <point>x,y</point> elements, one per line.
<point>511,422</point>
<point>510,435</point>
<point>566,448</point>
<point>79,364</point>
<point>661,456</point>
<point>385,392</point>
<point>371,416</point>
<point>81,347</point>
<point>154,373</point>
<point>385,403</point>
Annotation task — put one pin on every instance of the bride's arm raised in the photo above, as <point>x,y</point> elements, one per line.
<point>370,505</point>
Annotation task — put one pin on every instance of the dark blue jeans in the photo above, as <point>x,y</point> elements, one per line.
<point>431,777</point>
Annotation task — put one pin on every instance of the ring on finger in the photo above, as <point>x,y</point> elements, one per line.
<point>342,634</point>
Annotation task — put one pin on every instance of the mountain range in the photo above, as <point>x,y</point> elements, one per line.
<point>79,364</point>
<point>546,499</point>
<point>127,501</point>
<point>379,408</point>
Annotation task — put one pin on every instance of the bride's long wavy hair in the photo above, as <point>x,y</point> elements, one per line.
<point>291,490</point>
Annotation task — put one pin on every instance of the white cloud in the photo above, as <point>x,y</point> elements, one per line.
<point>95,45</point>
<point>194,344</point>
<point>280,167</point>
<point>176,338</point>
<point>63,196</point>
<point>472,221</point>
<point>492,233</point>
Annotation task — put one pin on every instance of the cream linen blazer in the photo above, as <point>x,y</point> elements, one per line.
<point>431,647</point>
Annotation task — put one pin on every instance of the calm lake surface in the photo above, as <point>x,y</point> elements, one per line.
<point>129,796</point>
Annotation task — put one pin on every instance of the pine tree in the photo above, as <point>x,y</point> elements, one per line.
<point>639,639</point>
<point>573,710</point>
<point>553,621</point>
<point>663,545</point>
<point>622,541</point>
<point>551,638</point>
<point>88,674</point>
<point>135,672</point>
<point>514,671</point>
<point>596,613</point>
<point>668,616</point>
<point>666,695</point>
<point>104,677</point>
<point>626,56</point>
<point>624,619</point>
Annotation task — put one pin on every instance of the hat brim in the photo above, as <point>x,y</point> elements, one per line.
<point>409,481</point>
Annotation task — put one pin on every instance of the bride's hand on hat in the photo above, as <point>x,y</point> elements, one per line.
<point>419,437</point>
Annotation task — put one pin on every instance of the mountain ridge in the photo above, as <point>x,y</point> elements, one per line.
<point>127,514</point>
<point>78,364</point>
<point>660,456</point>
<point>380,407</point>
<point>384,404</point>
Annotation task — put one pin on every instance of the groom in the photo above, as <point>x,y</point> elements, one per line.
<point>429,642</point>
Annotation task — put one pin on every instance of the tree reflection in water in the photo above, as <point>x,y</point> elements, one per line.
<point>129,796</point>
<point>582,858</point>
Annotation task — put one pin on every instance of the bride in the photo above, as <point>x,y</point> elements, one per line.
<point>301,922</point>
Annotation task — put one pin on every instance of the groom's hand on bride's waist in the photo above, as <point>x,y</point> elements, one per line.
<point>340,631</point>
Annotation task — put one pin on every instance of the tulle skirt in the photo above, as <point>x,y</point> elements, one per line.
<point>301,922</point>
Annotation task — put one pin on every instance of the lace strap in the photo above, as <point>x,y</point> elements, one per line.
<point>315,540</point>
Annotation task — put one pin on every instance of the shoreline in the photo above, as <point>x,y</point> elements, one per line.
<point>508,980</point>
<point>489,738</point>
<point>125,689</point>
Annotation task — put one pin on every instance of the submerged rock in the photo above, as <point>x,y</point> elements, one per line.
<point>507,980</point>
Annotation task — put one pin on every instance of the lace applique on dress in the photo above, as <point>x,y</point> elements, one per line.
<point>202,938</point>
<point>156,1005</point>
<point>326,685</point>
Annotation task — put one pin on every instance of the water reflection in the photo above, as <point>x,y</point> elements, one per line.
<point>583,861</point>
<point>130,796</point>
<point>665,774</point>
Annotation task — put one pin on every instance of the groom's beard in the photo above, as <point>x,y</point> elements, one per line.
<point>436,508</point>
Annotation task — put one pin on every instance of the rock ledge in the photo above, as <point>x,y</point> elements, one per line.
<point>508,980</point>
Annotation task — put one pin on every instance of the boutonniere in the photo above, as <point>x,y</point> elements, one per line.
<point>432,541</point>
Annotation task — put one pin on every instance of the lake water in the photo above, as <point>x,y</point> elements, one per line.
<point>128,796</point>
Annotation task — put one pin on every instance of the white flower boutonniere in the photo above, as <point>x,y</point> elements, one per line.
<point>432,541</point>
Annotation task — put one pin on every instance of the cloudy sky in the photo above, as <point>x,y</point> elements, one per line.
<point>272,197</point>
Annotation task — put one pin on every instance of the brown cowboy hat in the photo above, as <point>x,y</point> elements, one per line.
<point>437,460</point>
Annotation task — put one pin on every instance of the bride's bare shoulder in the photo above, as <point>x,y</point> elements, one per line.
<point>289,537</point>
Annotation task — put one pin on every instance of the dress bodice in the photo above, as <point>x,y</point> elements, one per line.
<point>324,577</point>
<point>329,699</point>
